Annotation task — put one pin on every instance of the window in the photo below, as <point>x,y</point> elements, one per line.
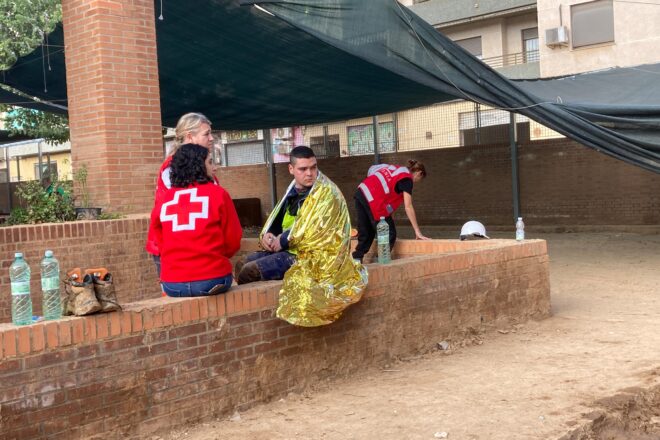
<point>472,45</point>
<point>323,149</point>
<point>44,170</point>
<point>592,23</point>
<point>361,138</point>
<point>530,40</point>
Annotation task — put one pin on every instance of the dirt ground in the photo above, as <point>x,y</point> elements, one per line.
<point>591,371</point>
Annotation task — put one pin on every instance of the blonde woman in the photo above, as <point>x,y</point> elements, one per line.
<point>192,128</point>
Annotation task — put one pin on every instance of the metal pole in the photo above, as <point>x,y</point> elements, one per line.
<point>395,122</point>
<point>40,160</point>
<point>268,150</point>
<point>477,111</point>
<point>325,141</point>
<point>18,168</point>
<point>376,140</point>
<point>9,194</point>
<point>514,166</point>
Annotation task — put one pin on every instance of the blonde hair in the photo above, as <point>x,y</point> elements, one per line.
<point>188,123</point>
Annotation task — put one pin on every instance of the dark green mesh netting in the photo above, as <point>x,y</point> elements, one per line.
<point>316,61</point>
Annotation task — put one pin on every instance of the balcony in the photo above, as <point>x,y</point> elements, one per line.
<point>521,65</point>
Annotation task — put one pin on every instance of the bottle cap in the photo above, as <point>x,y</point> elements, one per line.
<point>382,218</point>
<point>519,218</point>
<point>48,254</point>
<point>18,255</point>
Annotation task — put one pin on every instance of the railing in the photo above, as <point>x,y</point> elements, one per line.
<point>512,59</point>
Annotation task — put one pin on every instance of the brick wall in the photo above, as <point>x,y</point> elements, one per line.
<point>115,244</point>
<point>165,362</point>
<point>561,183</point>
<point>114,99</point>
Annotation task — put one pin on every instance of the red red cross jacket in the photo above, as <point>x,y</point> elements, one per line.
<point>162,185</point>
<point>378,189</point>
<point>197,231</point>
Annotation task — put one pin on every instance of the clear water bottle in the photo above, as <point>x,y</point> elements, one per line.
<point>50,287</point>
<point>21,302</point>
<point>520,229</point>
<point>383,237</point>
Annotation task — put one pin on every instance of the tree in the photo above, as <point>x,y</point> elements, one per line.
<point>36,124</point>
<point>23,26</point>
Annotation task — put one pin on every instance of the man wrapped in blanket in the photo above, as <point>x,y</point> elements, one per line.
<point>306,242</point>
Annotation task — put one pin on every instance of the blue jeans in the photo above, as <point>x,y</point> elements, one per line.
<point>272,265</point>
<point>199,288</point>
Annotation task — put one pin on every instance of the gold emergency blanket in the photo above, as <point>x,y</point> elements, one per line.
<point>325,279</point>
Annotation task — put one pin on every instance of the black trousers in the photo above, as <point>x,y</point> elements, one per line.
<point>367,226</point>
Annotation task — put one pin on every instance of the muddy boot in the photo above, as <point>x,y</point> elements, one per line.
<point>104,289</point>
<point>237,268</point>
<point>74,275</point>
<point>80,297</point>
<point>249,273</point>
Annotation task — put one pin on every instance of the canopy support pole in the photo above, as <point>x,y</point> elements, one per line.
<point>376,140</point>
<point>514,165</point>
<point>41,172</point>
<point>268,150</point>
<point>9,194</point>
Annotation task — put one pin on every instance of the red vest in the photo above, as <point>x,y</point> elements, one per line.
<point>378,189</point>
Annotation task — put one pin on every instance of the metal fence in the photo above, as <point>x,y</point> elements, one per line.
<point>452,124</point>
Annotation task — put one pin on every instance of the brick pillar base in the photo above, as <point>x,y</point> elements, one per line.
<point>114,100</point>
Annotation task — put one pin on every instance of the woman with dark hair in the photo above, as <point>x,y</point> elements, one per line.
<point>379,195</point>
<point>192,128</point>
<point>195,227</point>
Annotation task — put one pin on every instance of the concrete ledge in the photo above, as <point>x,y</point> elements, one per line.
<point>164,362</point>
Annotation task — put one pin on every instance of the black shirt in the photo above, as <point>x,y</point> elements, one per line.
<point>404,185</point>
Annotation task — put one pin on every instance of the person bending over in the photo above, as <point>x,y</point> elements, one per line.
<point>379,195</point>
<point>196,227</point>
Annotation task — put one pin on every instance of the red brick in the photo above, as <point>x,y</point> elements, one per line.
<point>185,311</point>
<point>38,338</point>
<point>78,330</point>
<point>65,332</point>
<point>136,321</point>
<point>115,323</point>
<point>23,340</point>
<point>102,327</point>
<point>125,318</point>
<point>90,329</point>
<point>177,314</point>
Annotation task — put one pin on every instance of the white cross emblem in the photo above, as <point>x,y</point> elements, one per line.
<point>185,209</point>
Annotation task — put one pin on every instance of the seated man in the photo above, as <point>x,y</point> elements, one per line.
<point>278,256</point>
<point>306,242</point>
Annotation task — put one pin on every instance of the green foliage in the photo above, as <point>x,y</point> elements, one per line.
<point>80,177</point>
<point>23,24</point>
<point>35,124</point>
<point>110,216</point>
<point>43,205</point>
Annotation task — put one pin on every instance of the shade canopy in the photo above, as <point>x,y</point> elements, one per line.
<point>298,62</point>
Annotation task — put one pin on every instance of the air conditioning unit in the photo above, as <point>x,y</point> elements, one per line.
<point>556,36</point>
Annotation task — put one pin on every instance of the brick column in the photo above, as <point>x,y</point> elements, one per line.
<point>114,99</point>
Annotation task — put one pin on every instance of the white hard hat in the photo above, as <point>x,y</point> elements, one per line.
<point>473,229</point>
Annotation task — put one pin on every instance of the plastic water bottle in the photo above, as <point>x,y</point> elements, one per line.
<point>520,229</point>
<point>50,287</point>
<point>21,302</point>
<point>383,234</point>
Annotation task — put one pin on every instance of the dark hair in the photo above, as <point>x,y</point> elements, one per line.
<point>300,152</point>
<point>414,166</point>
<point>188,166</point>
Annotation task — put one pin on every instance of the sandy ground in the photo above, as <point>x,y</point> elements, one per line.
<point>591,371</point>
